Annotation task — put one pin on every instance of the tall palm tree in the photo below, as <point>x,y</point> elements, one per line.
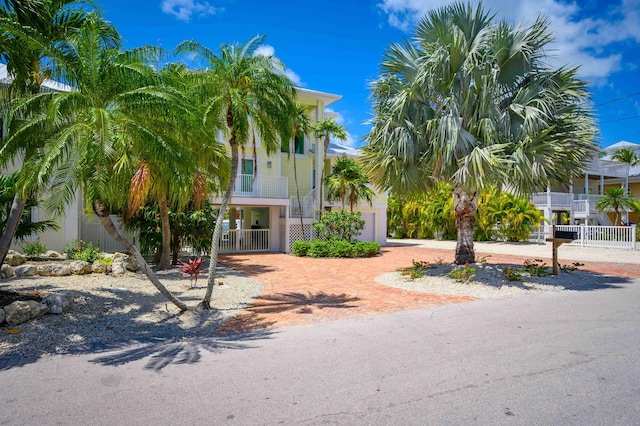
<point>32,31</point>
<point>247,92</point>
<point>325,130</point>
<point>117,117</point>
<point>616,198</point>
<point>473,102</point>
<point>156,177</point>
<point>626,155</point>
<point>300,127</point>
<point>348,179</point>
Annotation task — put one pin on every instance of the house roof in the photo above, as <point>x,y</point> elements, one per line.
<point>338,150</point>
<point>5,78</point>
<point>622,144</point>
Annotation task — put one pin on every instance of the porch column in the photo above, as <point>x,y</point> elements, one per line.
<point>586,183</point>
<point>274,229</point>
<point>232,217</point>
<point>601,184</point>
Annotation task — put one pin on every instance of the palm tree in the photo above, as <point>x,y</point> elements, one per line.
<point>116,118</point>
<point>626,155</point>
<point>348,178</point>
<point>247,92</point>
<point>473,103</point>
<point>615,198</point>
<point>300,126</point>
<point>29,44</point>
<point>325,130</point>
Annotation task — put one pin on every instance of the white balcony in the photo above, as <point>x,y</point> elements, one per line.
<point>557,200</point>
<point>608,168</point>
<point>261,187</point>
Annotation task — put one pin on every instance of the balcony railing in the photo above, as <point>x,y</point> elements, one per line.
<point>261,186</point>
<point>308,207</point>
<point>608,168</point>
<point>552,198</point>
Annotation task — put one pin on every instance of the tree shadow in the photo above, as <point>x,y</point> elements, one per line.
<point>138,324</point>
<point>162,353</point>
<point>254,267</point>
<point>303,303</point>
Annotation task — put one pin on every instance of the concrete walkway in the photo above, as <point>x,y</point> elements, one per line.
<point>306,290</point>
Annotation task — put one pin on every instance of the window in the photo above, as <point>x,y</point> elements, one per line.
<point>299,145</point>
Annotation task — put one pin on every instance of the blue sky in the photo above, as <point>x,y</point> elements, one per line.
<point>336,46</point>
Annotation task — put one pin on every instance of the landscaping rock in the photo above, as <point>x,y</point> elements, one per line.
<point>80,267</point>
<point>118,267</point>
<point>52,254</point>
<point>100,267</point>
<point>58,270</point>
<point>14,258</point>
<point>26,270</point>
<point>6,271</point>
<point>45,270</point>
<point>23,311</point>
<point>58,302</point>
<point>2,315</point>
<point>131,264</point>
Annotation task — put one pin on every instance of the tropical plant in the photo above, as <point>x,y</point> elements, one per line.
<point>34,248</point>
<point>339,225</point>
<point>474,103</point>
<point>26,227</point>
<point>626,155</point>
<point>248,92</point>
<point>117,116</point>
<point>615,198</point>
<point>516,217</point>
<point>30,45</point>
<point>325,130</point>
<point>348,179</point>
<point>192,268</point>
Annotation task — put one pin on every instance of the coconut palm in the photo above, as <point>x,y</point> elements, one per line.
<point>616,198</point>
<point>116,118</point>
<point>626,155</point>
<point>325,130</point>
<point>348,179</point>
<point>473,103</point>
<point>248,92</point>
<point>29,44</point>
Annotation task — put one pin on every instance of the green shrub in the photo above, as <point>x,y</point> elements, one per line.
<point>463,274</point>
<point>319,249</point>
<point>512,274</point>
<point>301,248</point>
<point>78,250</point>
<point>341,248</point>
<point>339,225</point>
<point>536,267</point>
<point>33,248</point>
<point>366,249</point>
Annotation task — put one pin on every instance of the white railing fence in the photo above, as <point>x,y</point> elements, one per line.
<point>261,186</point>
<point>244,240</point>
<point>620,237</point>
<point>307,204</point>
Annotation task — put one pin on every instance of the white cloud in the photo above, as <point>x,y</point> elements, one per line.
<point>580,40</point>
<point>268,50</point>
<point>184,9</point>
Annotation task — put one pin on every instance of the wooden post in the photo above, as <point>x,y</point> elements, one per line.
<point>557,242</point>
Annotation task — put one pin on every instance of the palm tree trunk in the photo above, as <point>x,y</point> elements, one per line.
<point>465,207</point>
<point>324,161</point>
<point>217,232</point>
<point>295,178</point>
<point>165,254</point>
<point>176,243</point>
<point>102,212</point>
<point>17,207</point>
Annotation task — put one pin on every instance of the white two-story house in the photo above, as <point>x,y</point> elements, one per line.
<point>264,203</point>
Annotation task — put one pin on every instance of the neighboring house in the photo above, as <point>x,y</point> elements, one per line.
<point>264,202</point>
<point>575,202</point>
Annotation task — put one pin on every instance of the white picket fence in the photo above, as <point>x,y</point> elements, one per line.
<point>244,240</point>
<point>620,237</point>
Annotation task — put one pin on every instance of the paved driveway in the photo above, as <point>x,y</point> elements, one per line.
<point>306,290</point>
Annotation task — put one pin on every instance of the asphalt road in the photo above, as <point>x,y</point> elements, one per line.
<point>565,358</point>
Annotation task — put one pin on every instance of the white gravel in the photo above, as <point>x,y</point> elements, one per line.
<point>112,311</point>
<point>489,281</point>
